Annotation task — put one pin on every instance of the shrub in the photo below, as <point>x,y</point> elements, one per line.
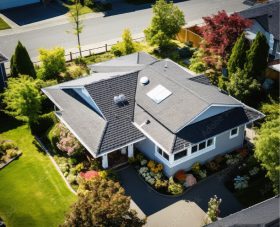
<point>45,122</point>
<point>73,72</point>
<point>95,165</point>
<point>89,3</point>
<point>196,167</point>
<point>71,178</point>
<point>181,176</point>
<point>241,182</point>
<point>175,188</point>
<point>212,166</point>
<point>186,52</point>
<point>53,135</point>
<point>11,153</point>
<point>127,46</point>
<point>213,208</point>
<point>53,63</point>
<point>7,144</point>
<point>78,168</point>
<point>161,184</point>
<point>103,174</point>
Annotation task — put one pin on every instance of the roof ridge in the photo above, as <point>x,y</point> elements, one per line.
<point>182,86</point>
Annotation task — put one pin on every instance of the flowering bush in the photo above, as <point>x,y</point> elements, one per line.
<point>202,173</point>
<point>89,174</point>
<point>67,142</point>
<point>155,167</point>
<point>174,188</point>
<point>181,176</point>
<point>196,167</point>
<point>232,159</point>
<point>143,162</point>
<point>213,208</point>
<point>161,184</point>
<point>241,182</point>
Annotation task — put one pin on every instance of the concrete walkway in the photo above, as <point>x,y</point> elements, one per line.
<point>151,202</point>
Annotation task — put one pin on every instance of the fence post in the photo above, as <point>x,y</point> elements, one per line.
<point>71,56</point>
<point>106,47</point>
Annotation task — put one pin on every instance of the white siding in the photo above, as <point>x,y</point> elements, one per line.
<point>5,4</point>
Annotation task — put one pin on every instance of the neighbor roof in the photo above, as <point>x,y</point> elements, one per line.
<point>265,214</point>
<point>3,58</point>
<point>267,15</point>
<point>103,126</point>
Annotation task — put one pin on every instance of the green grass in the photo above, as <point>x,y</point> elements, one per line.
<point>3,24</point>
<point>32,193</point>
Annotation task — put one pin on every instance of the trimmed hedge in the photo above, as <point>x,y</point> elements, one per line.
<point>45,122</point>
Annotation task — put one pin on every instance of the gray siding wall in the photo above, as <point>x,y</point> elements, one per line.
<point>223,145</point>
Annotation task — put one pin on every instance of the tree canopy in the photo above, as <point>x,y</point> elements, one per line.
<point>166,23</point>
<point>257,56</point>
<point>23,99</point>
<point>267,149</point>
<point>53,63</point>
<point>102,202</point>
<point>222,30</point>
<point>238,55</point>
<point>242,86</point>
<point>21,63</point>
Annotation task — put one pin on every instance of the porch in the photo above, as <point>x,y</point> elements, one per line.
<point>117,157</point>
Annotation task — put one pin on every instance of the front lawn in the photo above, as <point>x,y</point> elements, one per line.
<point>32,193</point>
<point>3,24</point>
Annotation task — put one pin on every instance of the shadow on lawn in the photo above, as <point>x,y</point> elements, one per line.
<point>8,123</point>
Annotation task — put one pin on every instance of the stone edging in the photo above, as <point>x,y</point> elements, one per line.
<point>55,165</point>
<point>187,189</point>
<point>4,165</point>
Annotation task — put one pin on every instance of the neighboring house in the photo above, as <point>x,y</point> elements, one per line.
<point>156,106</point>
<point>6,4</point>
<point>264,214</point>
<point>3,76</point>
<point>265,18</point>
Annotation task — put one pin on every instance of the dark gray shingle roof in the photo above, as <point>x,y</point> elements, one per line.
<point>267,14</point>
<point>264,214</point>
<point>120,130</point>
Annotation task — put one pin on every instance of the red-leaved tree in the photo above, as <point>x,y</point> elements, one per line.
<point>221,31</point>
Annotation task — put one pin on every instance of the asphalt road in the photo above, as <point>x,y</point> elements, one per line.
<point>109,27</point>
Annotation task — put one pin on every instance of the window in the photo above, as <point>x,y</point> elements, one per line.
<point>166,156</point>
<point>159,151</point>
<point>194,148</point>
<point>233,133</point>
<point>202,145</point>
<point>210,142</point>
<point>180,154</point>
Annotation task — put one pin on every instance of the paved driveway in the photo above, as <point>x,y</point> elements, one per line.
<point>35,12</point>
<point>150,202</point>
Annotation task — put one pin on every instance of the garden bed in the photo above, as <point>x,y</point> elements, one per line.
<point>249,184</point>
<point>152,172</point>
<point>8,152</point>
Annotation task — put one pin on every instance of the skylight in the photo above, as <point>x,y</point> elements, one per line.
<point>159,93</point>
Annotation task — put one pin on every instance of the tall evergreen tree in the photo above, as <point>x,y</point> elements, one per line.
<point>257,56</point>
<point>238,55</point>
<point>21,62</point>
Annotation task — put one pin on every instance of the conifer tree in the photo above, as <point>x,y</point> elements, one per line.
<point>21,62</point>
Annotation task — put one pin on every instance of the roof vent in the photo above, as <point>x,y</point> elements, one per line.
<point>144,80</point>
<point>165,65</point>
<point>120,100</point>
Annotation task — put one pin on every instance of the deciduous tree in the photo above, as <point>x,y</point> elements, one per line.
<point>21,63</point>
<point>102,202</point>
<point>22,99</point>
<point>222,30</point>
<point>166,23</point>
<point>267,149</point>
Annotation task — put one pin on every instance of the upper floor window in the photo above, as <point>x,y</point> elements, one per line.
<point>234,132</point>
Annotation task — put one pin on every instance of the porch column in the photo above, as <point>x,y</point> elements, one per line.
<point>123,150</point>
<point>130,151</point>
<point>105,161</point>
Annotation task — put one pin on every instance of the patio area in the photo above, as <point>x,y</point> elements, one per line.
<point>151,202</point>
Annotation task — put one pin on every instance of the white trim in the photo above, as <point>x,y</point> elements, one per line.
<point>150,137</point>
<point>235,135</point>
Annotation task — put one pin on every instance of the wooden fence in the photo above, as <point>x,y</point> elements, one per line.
<point>186,35</point>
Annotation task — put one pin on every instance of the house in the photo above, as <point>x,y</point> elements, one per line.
<point>3,76</point>
<point>264,214</point>
<point>154,106</point>
<point>6,4</point>
<point>265,18</point>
